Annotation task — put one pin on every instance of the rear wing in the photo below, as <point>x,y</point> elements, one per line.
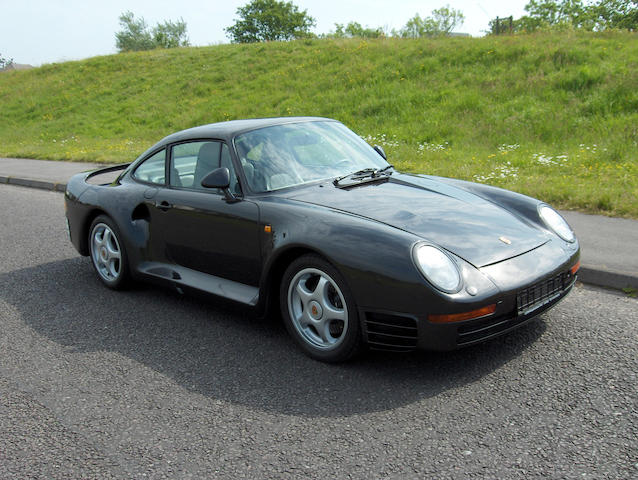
<point>93,177</point>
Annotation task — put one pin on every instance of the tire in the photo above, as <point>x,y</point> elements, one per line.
<point>319,311</point>
<point>107,253</point>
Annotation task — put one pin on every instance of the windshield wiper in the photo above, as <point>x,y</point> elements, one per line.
<point>369,172</point>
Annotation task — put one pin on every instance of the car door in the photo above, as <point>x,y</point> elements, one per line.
<point>200,229</point>
<point>149,178</point>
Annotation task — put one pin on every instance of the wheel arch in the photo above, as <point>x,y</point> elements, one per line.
<point>271,279</point>
<point>84,229</point>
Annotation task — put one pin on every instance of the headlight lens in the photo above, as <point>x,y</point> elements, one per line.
<point>437,267</point>
<point>557,223</point>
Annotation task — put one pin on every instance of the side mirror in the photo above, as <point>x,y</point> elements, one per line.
<point>380,151</point>
<point>220,178</point>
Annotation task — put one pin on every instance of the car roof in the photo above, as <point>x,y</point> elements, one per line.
<point>226,130</point>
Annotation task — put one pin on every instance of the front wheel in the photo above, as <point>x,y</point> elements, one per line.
<point>319,311</point>
<point>107,253</point>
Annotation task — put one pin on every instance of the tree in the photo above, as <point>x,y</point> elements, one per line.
<point>614,14</point>
<point>170,34</point>
<point>135,34</point>
<point>597,16</point>
<point>550,12</point>
<point>414,28</point>
<point>446,19</point>
<point>441,22</point>
<point>5,62</point>
<point>355,29</point>
<point>270,20</point>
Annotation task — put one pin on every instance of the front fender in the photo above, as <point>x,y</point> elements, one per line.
<point>524,207</point>
<point>374,258</point>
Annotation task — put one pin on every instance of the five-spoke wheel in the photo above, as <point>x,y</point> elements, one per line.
<point>318,309</point>
<point>107,252</point>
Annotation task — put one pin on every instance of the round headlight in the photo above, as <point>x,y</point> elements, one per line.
<point>557,223</point>
<point>437,267</point>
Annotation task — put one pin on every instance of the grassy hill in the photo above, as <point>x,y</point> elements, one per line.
<point>554,116</point>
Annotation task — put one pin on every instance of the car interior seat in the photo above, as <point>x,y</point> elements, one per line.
<point>208,159</point>
<point>175,179</point>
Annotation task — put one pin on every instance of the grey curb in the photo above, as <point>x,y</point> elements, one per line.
<point>26,182</point>
<point>587,274</point>
<point>605,278</point>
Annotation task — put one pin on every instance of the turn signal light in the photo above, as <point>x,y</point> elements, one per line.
<point>459,317</point>
<point>575,268</point>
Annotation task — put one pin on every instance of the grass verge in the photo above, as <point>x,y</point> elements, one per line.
<point>554,116</point>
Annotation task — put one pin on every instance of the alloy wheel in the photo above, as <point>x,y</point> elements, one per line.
<point>317,309</point>
<point>106,252</point>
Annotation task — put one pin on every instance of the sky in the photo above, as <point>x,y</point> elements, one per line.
<point>45,31</point>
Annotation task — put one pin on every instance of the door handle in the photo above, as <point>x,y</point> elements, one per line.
<point>163,205</point>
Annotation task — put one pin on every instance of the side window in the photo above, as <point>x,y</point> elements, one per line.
<point>152,169</point>
<point>192,161</point>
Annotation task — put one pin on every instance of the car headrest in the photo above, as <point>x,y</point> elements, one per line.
<point>208,156</point>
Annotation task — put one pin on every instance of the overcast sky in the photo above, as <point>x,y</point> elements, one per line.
<point>46,31</point>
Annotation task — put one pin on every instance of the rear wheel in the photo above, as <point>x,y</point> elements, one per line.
<point>107,253</point>
<point>319,310</point>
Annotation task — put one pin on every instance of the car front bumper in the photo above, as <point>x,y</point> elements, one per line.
<point>515,308</point>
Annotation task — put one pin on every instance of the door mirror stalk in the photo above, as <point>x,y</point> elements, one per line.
<point>220,178</point>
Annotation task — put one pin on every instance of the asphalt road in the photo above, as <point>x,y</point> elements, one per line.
<point>150,384</point>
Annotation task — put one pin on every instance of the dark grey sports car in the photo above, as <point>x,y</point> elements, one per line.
<point>303,214</point>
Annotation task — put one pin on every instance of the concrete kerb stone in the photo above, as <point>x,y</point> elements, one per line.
<point>41,184</point>
<point>605,278</point>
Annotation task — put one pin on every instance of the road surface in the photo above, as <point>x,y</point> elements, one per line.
<point>150,384</point>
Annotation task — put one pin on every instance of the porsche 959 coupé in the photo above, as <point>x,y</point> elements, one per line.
<point>302,214</point>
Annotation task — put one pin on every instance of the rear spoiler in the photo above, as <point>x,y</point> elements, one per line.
<point>101,171</point>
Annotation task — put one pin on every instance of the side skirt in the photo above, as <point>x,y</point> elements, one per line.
<point>187,277</point>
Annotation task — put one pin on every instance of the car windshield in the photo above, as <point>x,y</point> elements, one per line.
<point>293,154</point>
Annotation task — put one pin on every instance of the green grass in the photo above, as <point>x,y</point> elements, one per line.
<point>550,115</point>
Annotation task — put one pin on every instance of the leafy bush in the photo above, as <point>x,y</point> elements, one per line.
<point>442,21</point>
<point>135,34</point>
<point>574,14</point>
<point>4,62</point>
<point>355,30</point>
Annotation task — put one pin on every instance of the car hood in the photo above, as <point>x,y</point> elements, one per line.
<point>463,223</point>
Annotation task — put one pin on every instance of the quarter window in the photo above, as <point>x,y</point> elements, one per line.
<point>152,170</point>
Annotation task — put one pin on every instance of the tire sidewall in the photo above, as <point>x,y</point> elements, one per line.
<point>122,278</point>
<point>351,343</point>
